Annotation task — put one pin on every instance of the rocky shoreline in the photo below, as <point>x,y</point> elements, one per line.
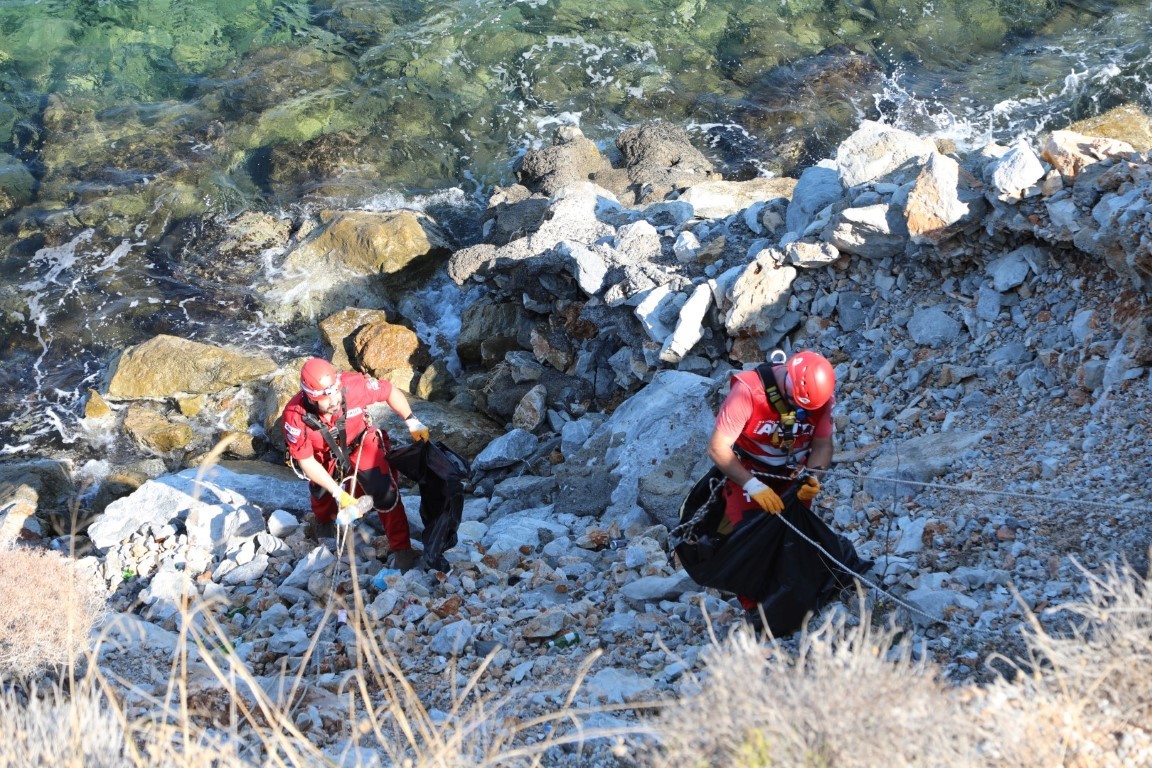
<point>987,314</point>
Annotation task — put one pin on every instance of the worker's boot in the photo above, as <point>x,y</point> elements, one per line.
<point>317,530</point>
<point>404,559</point>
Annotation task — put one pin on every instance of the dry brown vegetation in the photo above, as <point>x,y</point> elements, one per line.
<point>851,695</point>
<point>47,610</point>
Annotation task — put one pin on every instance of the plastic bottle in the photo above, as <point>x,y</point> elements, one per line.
<point>380,580</point>
<point>566,640</point>
<point>351,514</point>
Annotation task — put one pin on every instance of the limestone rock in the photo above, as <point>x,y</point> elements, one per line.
<point>945,200</point>
<point>337,331</point>
<point>877,152</point>
<point>153,431</point>
<point>759,295</point>
<point>661,154</point>
<point>96,407</point>
<point>571,158</point>
<point>167,366</point>
<point>531,411</point>
<point>345,261</point>
<point>390,352</point>
<point>1069,152</point>
<point>720,199</point>
<point>1127,123</point>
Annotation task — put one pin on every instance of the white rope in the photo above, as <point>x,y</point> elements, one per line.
<point>987,491</point>
<point>860,577</point>
<point>872,585</point>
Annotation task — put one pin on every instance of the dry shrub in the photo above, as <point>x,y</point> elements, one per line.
<point>82,729</point>
<point>1093,679</point>
<point>847,697</point>
<point>50,729</point>
<point>47,610</point>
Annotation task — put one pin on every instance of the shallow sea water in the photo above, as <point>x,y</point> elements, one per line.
<point>127,113</point>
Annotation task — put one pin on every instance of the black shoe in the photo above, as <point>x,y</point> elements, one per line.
<point>404,560</point>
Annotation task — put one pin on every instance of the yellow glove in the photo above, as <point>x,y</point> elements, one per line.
<point>346,500</point>
<point>764,496</point>
<point>809,489</point>
<point>418,430</point>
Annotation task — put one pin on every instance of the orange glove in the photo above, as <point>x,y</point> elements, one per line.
<point>764,496</point>
<point>419,431</point>
<point>809,489</point>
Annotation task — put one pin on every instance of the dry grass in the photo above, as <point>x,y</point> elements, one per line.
<point>215,712</point>
<point>850,696</point>
<point>47,611</point>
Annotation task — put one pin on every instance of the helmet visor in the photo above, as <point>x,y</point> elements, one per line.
<point>317,394</point>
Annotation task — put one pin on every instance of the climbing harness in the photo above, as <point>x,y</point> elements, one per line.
<point>788,415</point>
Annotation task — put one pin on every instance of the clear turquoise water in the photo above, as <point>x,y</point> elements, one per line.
<point>120,117</point>
<point>443,91</point>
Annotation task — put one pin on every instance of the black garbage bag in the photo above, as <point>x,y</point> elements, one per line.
<point>762,558</point>
<point>440,472</point>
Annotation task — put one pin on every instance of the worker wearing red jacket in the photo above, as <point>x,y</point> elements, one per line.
<point>769,425</point>
<point>333,444</point>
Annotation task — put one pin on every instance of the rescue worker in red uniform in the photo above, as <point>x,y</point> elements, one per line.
<point>334,445</point>
<point>753,436</point>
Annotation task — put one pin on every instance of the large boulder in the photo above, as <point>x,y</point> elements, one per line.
<point>649,451</point>
<point>465,432</point>
<point>944,201</point>
<point>153,431</point>
<point>339,329</point>
<point>570,159</point>
<point>167,366</point>
<point>721,199</point>
<point>760,295</point>
<point>1127,123</point>
<point>877,152</point>
<point>662,155</point>
<point>1069,152</point>
<point>346,261</point>
<point>389,351</point>
<point>487,331</point>
<point>872,231</point>
<point>819,186</point>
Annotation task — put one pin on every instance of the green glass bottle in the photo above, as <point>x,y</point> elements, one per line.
<point>566,640</point>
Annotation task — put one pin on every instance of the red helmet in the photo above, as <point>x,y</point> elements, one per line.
<point>813,379</point>
<point>319,379</point>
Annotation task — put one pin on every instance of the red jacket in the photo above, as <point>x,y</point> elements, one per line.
<point>303,441</point>
<point>761,436</point>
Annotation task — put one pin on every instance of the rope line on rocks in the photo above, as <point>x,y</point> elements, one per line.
<point>860,577</point>
<point>987,491</point>
<point>876,587</point>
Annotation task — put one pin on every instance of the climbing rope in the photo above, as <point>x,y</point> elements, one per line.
<point>686,527</point>
<point>876,587</point>
<point>985,491</point>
